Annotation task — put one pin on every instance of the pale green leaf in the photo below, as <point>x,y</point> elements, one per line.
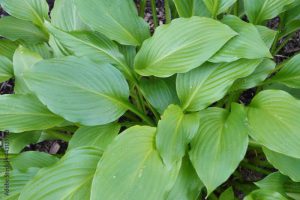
<point>21,113</point>
<point>265,195</point>
<point>188,185</point>
<point>91,44</point>
<point>29,10</point>
<point>17,141</point>
<point>280,183</point>
<point>189,8</point>
<point>16,29</point>
<point>277,86</point>
<point>274,121</point>
<point>30,159</point>
<point>248,44</point>
<point>218,6</point>
<point>23,61</point>
<point>159,92</point>
<point>118,20</point>
<point>70,178</point>
<point>42,49</point>
<point>220,145</point>
<point>133,167</point>
<point>210,82</point>
<point>289,75</point>
<point>94,136</point>
<point>258,11</point>
<point>89,93</point>
<point>6,69</point>
<point>181,46</point>
<point>17,180</point>
<point>227,194</point>
<point>7,48</point>
<point>174,131</point>
<point>64,15</point>
<point>285,164</point>
<point>267,35</point>
<point>262,71</point>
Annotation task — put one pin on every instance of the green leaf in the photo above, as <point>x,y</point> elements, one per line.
<point>6,69</point>
<point>220,144</point>
<point>277,86</point>
<point>290,28</point>
<point>188,185</point>
<point>17,180</point>
<point>291,19</point>
<point>7,48</point>
<point>118,20</point>
<point>181,46</point>
<point>42,49</point>
<point>35,11</point>
<point>262,71</point>
<point>267,35</point>
<point>248,44</point>
<point>285,164</point>
<point>174,131</point>
<point>133,167</point>
<point>91,44</point>
<point>23,61</point>
<point>218,6</point>
<point>265,195</point>
<point>21,113</point>
<point>89,93</point>
<point>227,194</point>
<point>16,29</point>
<point>30,159</point>
<point>289,75</point>
<point>70,178</point>
<point>17,141</point>
<point>258,11</point>
<point>210,82</point>
<point>189,8</point>
<point>280,183</point>
<point>159,92</point>
<point>275,122</point>
<point>64,15</point>
<point>95,136</point>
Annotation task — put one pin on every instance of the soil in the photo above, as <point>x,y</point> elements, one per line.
<point>246,176</point>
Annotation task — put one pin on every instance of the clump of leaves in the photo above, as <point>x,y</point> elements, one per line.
<point>92,69</point>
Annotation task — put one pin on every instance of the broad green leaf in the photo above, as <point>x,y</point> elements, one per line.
<point>17,180</point>
<point>94,136</point>
<point>174,131</point>
<point>188,185</point>
<point>17,141</point>
<point>262,71</point>
<point>181,46</point>
<point>218,6</point>
<point>6,69</point>
<point>227,194</point>
<point>291,19</point>
<point>289,75</point>
<point>42,49</point>
<point>274,121</point>
<point>89,93</point>
<point>91,44</point>
<point>265,195</point>
<point>248,44</point>
<point>209,83</point>
<point>23,61</point>
<point>16,29</point>
<point>159,92</point>
<point>30,159</point>
<point>285,164</point>
<point>133,167</point>
<point>277,86</point>
<point>70,178</point>
<point>29,10</point>
<point>21,113</point>
<point>267,35</point>
<point>7,48</point>
<point>189,8</point>
<point>258,11</point>
<point>220,144</point>
<point>64,15</point>
<point>291,28</point>
<point>118,20</point>
<point>280,183</point>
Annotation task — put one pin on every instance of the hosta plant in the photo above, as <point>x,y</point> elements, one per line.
<point>179,114</point>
